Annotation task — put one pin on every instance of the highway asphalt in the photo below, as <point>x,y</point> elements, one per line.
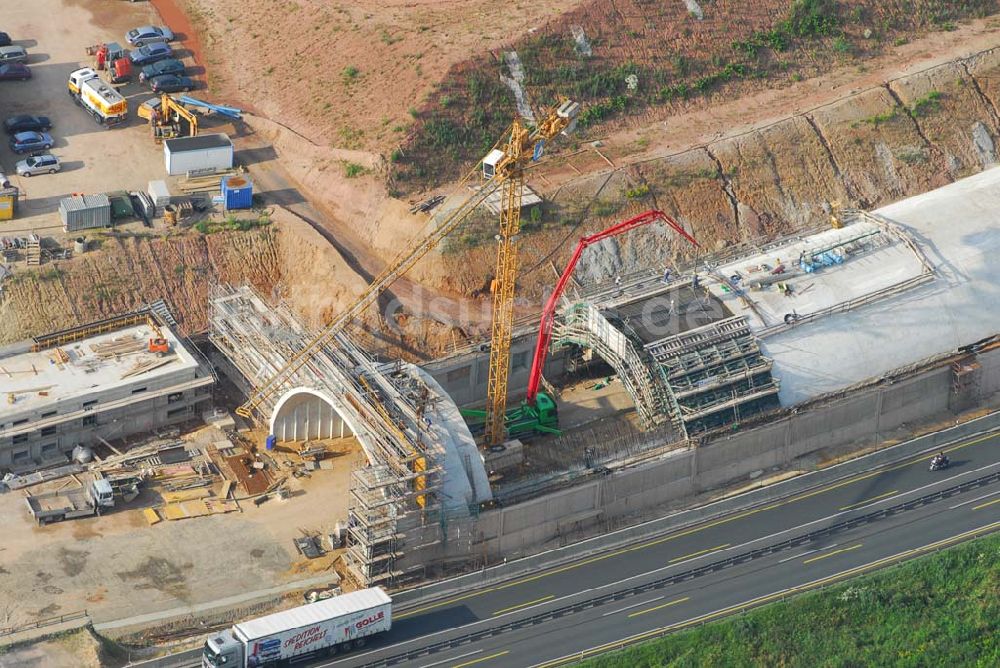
<point>751,557</point>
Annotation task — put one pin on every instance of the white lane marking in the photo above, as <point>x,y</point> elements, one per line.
<point>978,498</point>
<point>454,658</point>
<point>797,556</point>
<point>805,587</point>
<point>634,605</point>
<point>647,573</point>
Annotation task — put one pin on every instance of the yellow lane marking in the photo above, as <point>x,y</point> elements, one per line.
<point>988,503</point>
<point>699,552</point>
<point>867,501</point>
<point>524,605</point>
<point>660,607</point>
<point>481,659</point>
<point>830,554</point>
<point>857,570</point>
<point>901,465</point>
<point>686,532</point>
<point>442,603</point>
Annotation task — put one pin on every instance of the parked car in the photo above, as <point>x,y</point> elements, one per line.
<point>23,142</point>
<point>13,54</point>
<point>149,54</point>
<point>25,123</point>
<point>168,66</point>
<point>45,163</point>
<point>18,71</point>
<point>4,39</point>
<point>148,35</point>
<point>171,83</point>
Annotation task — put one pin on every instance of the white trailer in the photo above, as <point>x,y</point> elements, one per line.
<point>325,627</point>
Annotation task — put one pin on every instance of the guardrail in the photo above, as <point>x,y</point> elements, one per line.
<point>686,518</point>
<point>690,574</point>
<point>42,623</point>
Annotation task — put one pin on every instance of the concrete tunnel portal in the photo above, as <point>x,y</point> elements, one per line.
<point>305,414</point>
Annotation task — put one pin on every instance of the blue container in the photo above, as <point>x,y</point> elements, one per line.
<point>237,192</point>
<point>270,442</point>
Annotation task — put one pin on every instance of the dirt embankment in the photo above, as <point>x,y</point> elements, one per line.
<point>865,149</point>
<point>346,74</point>
<point>287,259</point>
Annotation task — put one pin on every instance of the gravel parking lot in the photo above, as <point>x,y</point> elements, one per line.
<point>94,159</point>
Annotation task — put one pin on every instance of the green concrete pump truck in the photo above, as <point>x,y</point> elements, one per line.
<point>537,414</point>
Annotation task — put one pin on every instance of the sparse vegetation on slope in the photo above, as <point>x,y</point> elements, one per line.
<point>645,55</point>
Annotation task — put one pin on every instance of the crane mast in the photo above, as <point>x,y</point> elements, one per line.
<point>505,173</point>
<point>503,308</point>
<point>522,147</point>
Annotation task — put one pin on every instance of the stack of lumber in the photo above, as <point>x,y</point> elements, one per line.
<point>209,183</point>
<point>125,345</point>
<point>148,365</point>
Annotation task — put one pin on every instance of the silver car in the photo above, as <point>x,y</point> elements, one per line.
<point>13,54</point>
<point>144,35</point>
<point>45,163</point>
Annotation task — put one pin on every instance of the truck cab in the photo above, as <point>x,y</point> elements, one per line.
<point>102,493</point>
<point>223,651</point>
<point>77,77</point>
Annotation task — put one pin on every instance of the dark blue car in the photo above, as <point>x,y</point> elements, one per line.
<point>151,53</point>
<point>171,83</point>
<point>23,142</point>
<point>168,66</point>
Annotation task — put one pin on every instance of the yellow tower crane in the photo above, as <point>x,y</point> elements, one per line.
<point>507,165</point>
<point>503,169</point>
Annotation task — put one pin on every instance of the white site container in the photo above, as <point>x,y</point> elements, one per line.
<point>196,154</point>
<point>159,193</point>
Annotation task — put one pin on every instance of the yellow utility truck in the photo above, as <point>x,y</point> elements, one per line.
<point>104,103</point>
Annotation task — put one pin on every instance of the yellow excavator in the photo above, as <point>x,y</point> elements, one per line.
<point>168,118</point>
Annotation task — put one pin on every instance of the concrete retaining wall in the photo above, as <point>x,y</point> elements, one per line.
<point>464,376</point>
<point>861,419</point>
<point>511,566</point>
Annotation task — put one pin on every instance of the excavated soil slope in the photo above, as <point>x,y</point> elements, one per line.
<point>287,260</point>
<point>867,149</point>
<point>346,73</point>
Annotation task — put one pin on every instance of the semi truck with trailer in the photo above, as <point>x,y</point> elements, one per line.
<point>104,103</point>
<point>325,627</point>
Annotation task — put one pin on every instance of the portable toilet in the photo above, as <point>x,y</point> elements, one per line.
<point>237,192</point>
<point>8,200</point>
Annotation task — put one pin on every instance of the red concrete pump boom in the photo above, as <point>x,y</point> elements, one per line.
<point>548,313</point>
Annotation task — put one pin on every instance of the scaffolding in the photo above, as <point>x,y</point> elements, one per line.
<point>373,541</point>
<point>716,374</point>
<point>384,404</point>
<point>965,378</point>
<point>586,326</point>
